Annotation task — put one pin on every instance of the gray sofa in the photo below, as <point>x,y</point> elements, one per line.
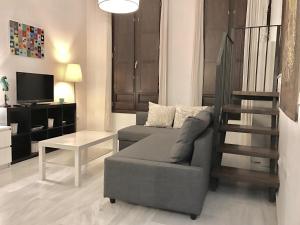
<point>143,174</point>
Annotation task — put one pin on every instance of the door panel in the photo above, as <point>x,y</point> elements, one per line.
<point>147,28</point>
<point>221,16</point>
<point>238,19</point>
<point>215,24</point>
<point>123,62</point>
<point>136,58</point>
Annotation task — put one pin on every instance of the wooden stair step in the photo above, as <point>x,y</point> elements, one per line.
<point>243,175</point>
<point>253,110</point>
<point>253,95</point>
<point>249,151</point>
<point>249,129</point>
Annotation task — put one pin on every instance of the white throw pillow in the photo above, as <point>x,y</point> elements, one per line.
<point>160,116</point>
<point>183,112</point>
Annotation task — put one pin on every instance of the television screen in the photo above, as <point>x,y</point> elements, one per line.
<point>34,88</point>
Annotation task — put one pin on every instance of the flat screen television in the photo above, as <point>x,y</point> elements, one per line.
<point>33,88</point>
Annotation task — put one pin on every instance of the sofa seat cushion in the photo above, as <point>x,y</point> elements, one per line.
<point>155,184</point>
<point>153,148</point>
<point>138,132</point>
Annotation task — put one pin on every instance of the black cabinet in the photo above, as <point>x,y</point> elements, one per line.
<point>33,125</point>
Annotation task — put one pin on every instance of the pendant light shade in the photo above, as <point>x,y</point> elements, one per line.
<point>119,6</point>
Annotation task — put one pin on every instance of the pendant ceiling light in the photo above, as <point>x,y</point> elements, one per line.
<point>119,6</point>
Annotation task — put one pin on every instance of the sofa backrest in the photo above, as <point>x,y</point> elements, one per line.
<point>141,118</point>
<point>202,145</point>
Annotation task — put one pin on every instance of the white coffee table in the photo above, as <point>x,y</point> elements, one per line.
<point>76,142</point>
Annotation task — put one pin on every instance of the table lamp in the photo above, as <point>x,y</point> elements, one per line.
<point>73,74</point>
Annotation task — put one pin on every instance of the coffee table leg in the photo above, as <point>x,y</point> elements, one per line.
<point>77,167</point>
<point>42,166</point>
<point>115,144</point>
<point>85,160</point>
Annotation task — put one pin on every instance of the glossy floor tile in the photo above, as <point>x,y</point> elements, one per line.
<point>24,200</point>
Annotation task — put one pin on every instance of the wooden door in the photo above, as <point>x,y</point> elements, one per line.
<point>147,29</point>
<point>215,24</point>
<point>238,12</point>
<point>123,63</point>
<point>136,58</point>
<point>222,16</point>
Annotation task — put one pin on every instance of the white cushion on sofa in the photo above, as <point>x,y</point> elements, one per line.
<point>160,116</point>
<point>183,112</point>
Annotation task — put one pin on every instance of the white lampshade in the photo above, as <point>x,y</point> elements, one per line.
<point>119,6</point>
<point>73,73</point>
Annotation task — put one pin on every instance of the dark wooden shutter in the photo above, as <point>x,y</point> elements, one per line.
<point>147,29</point>
<point>123,63</point>
<point>221,16</point>
<point>216,22</point>
<point>136,58</point>
<point>238,19</point>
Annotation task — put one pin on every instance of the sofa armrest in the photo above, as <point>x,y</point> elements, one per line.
<point>203,150</point>
<point>156,184</point>
<point>141,118</point>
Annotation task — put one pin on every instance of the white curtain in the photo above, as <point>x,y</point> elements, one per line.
<point>108,90</point>
<point>198,57</point>
<point>254,55</point>
<point>163,53</point>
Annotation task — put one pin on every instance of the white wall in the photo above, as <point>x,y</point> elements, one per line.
<point>288,200</point>
<point>98,45</point>
<point>64,42</point>
<point>98,23</point>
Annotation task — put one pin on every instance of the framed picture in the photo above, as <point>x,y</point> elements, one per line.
<point>290,58</point>
<point>26,40</point>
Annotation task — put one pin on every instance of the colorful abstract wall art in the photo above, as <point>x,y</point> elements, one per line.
<point>26,40</point>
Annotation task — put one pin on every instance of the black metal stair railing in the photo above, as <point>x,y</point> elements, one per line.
<point>223,85</point>
<point>223,75</point>
<point>257,51</point>
<point>254,48</point>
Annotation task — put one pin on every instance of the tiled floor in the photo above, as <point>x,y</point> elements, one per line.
<point>26,201</point>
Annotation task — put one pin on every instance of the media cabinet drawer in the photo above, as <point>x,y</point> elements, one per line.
<point>5,156</point>
<point>5,138</point>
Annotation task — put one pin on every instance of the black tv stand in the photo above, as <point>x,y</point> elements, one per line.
<point>31,116</point>
<point>32,104</point>
<point>23,105</point>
